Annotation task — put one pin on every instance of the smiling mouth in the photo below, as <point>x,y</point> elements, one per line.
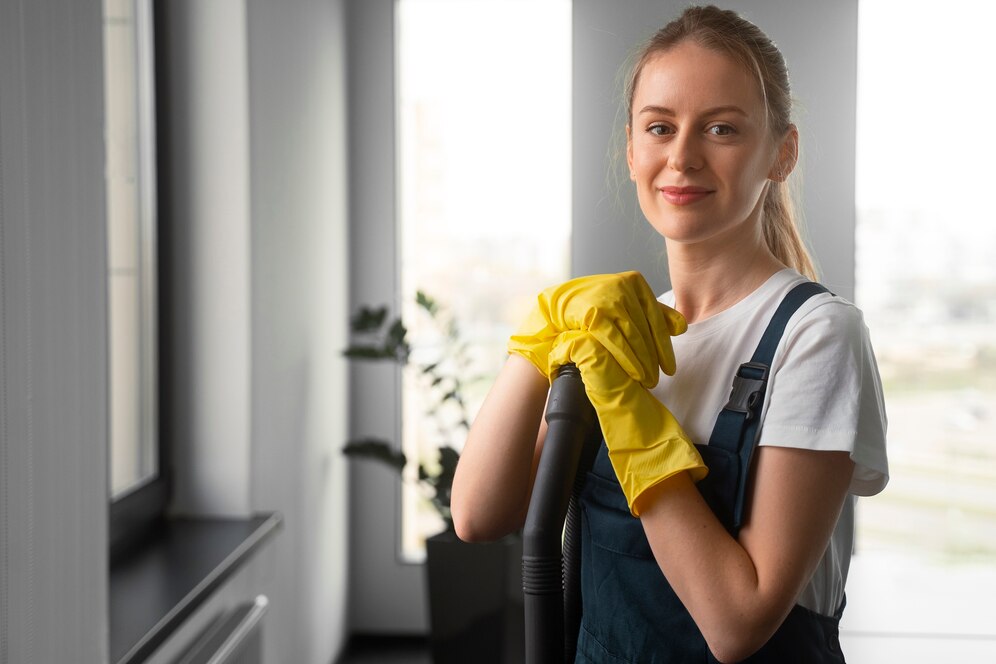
<point>684,195</point>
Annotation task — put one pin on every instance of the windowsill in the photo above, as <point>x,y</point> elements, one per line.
<point>153,591</point>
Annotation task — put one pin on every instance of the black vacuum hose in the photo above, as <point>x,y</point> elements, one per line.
<point>570,422</point>
<point>572,545</point>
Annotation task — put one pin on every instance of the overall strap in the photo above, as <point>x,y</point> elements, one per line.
<point>736,428</point>
<point>794,299</point>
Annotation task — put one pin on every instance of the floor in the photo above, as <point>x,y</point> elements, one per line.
<point>386,650</point>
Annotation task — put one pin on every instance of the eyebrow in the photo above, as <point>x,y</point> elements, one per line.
<point>716,110</point>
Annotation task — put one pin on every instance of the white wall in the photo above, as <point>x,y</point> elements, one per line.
<point>386,594</point>
<point>53,334</point>
<point>257,125</point>
<point>299,285</point>
<point>207,109</point>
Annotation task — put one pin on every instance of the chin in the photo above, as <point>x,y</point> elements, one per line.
<point>680,231</point>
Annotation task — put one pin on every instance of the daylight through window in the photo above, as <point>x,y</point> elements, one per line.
<point>484,160</point>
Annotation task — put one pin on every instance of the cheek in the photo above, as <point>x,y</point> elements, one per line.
<point>753,176</point>
<point>751,185</point>
<point>645,159</point>
<point>639,162</point>
<point>646,172</point>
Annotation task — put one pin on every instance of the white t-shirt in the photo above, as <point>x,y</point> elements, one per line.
<point>824,393</point>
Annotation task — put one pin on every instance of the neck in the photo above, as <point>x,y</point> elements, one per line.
<point>707,281</point>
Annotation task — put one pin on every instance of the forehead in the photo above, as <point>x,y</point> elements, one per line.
<point>689,76</point>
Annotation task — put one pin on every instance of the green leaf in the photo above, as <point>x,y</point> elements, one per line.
<point>397,332</point>
<point>377,450</point>
<point>444,410</point>
<point>448,458</point>
<point>368,319</point>
<point>369,353</point>
<point>426,302</point>
<point>396,340</point>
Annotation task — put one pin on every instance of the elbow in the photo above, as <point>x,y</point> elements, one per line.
<point>465,527</point>
<point>468,532</point>
<point>739,642</point>
<point>479,516</point>
<point>477,522</point>
<point>472,530</point>
<point>466,519</point>
<point>730,653</point>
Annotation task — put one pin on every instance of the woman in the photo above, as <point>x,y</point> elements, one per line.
<point>710,145</point>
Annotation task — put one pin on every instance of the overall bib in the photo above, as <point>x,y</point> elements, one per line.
<point>630,613</point>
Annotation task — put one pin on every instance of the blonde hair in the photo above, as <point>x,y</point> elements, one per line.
<point>727,32</point>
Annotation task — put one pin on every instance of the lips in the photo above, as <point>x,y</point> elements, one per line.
<point>684,195</point>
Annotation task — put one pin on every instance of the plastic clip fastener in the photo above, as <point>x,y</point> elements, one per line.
<point>748,384</point>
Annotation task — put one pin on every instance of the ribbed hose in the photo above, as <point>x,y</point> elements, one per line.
<point>570,418</point>
<point>572,548</point>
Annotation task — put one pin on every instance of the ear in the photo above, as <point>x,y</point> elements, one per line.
<point>629,152</point>
<point>788,155</point>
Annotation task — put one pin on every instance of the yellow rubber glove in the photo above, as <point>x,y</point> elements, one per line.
<point>646,443</point>
<point>618,334</point>
<point>619,310</point>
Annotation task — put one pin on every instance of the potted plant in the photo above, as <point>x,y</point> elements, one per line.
<point>475,590</point>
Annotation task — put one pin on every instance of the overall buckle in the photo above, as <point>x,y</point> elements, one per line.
<point>748,385</point>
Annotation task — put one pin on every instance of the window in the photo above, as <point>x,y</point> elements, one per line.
<point>484,174</point>
<point>926,280</point>
<point>135,471</point>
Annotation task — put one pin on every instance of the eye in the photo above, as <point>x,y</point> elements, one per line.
<point>721,130</point>
<point>659,129</point>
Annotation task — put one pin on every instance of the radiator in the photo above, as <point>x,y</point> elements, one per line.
<point>234,638</point>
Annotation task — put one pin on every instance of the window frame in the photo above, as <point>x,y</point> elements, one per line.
<point>134,516</point>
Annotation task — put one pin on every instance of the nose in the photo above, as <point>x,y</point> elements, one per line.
<point>685,153</point>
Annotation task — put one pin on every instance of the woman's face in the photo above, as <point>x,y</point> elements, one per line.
<point>698,146</point>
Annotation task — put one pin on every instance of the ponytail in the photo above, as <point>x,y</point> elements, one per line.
<point>781,232</point>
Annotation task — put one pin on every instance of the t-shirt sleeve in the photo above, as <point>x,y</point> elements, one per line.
<point>826,394</point>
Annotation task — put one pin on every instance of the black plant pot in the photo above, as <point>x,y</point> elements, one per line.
<point>475,600</point>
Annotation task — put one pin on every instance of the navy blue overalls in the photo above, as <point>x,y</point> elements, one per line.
<point>630,613</point>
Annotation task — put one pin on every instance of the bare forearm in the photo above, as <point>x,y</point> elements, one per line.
<point>709,570</point>
<point>494,477</point>
<point>739,591</point>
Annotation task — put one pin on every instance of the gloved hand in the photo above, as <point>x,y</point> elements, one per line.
<point>619,310</point>
<point>615,331</point>
<point>646,443</point>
